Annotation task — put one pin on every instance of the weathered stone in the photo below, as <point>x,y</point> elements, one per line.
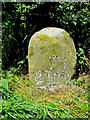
<point>51,58</point>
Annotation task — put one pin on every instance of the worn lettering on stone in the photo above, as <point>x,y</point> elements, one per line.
<point>51,58</point>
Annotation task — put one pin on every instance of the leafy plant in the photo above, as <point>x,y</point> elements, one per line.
<point>4,84</point>
<point>22,20</point>
<point>21,63</point>
<point>83,61</point>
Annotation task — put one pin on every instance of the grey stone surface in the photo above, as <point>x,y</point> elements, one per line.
<point>51,58</point>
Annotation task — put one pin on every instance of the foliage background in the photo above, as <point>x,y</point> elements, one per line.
<point>22,20</point>
<point>20,97</point>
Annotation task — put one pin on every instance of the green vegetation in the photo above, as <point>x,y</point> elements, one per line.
<point>21,99</point>
<point>22,20</point>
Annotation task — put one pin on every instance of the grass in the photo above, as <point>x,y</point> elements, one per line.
<point>22,100</point>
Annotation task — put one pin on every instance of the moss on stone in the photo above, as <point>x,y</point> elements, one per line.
<point>44,38</point>
<point>50,57</point>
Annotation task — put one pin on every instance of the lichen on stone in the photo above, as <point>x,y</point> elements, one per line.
<point>50,57</point>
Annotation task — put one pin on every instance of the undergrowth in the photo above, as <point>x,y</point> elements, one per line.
<point>22,100</point>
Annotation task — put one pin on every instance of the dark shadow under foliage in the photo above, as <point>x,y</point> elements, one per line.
<point>22,20</point>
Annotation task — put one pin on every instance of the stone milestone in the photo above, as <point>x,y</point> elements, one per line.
<point>51,58</point>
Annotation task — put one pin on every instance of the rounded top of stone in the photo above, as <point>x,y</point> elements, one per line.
<point>50,31</point>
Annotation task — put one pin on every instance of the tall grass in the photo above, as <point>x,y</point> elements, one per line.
<point>22,100</point>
